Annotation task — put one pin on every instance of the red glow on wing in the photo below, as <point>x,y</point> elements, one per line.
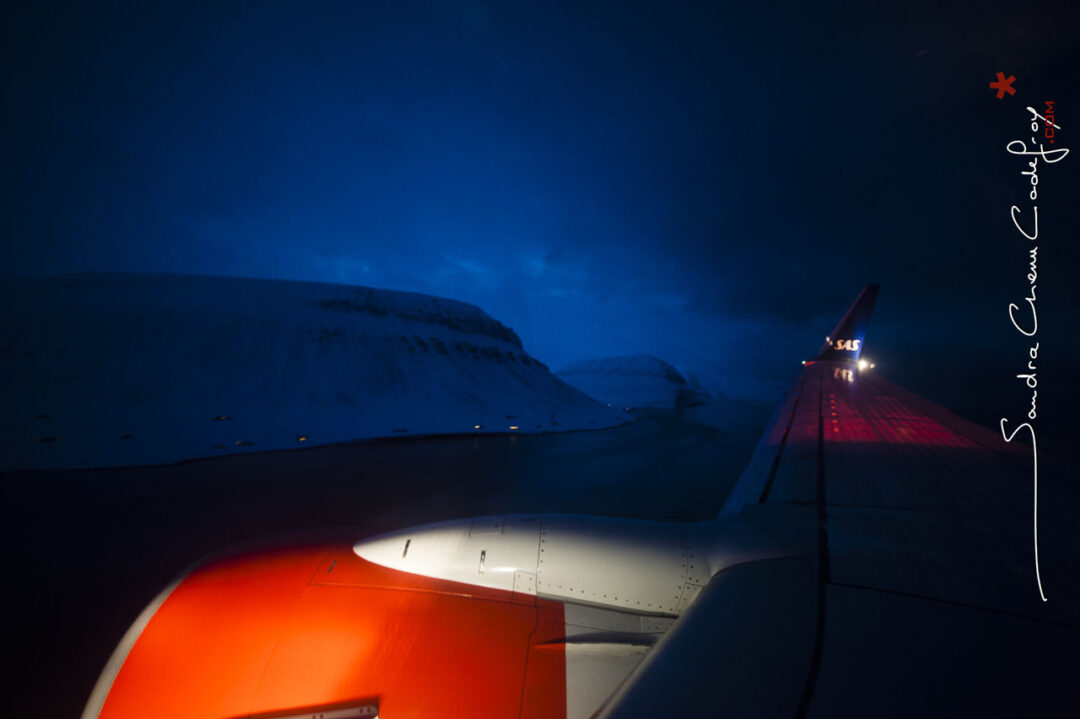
<point>861,408</point>
<point>282,630</point>
<point>850,417</point>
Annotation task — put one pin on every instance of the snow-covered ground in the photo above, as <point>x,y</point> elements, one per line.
<point>114,369</point>
<point>634,381</point>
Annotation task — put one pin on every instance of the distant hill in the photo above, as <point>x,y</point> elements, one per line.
<point>105,370</point>
<point>634,381</point>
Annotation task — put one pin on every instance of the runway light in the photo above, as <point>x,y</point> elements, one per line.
<point>863,364</point>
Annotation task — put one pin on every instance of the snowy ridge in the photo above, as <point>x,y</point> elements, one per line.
<point>109,370</point>
<point>634,381</point>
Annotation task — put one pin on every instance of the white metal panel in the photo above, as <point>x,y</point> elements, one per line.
<point>594,673</point>
<point>453,551</point>
<point>637,565</point>
<point>525,582</point>
<point>649,567</point>
<point>487,525</point>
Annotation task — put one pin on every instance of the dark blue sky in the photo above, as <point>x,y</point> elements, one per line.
<point>709,184</point>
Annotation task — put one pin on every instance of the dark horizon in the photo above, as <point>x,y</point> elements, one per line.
<point>709,186</point>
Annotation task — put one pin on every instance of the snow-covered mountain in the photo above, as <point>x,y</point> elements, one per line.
<point>634,381</point>
<point>113,369</point>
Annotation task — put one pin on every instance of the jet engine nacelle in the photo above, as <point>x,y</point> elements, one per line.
<point>651,567</point>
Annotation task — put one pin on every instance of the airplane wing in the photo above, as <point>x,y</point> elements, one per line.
<point>918,595</point>
<point>876,558</point>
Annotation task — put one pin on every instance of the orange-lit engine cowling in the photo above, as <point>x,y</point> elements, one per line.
<point>290,631</point>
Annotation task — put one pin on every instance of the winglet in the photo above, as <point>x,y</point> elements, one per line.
<point>846,340</point>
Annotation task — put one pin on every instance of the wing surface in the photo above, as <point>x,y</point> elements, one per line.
<point>920,595</point>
